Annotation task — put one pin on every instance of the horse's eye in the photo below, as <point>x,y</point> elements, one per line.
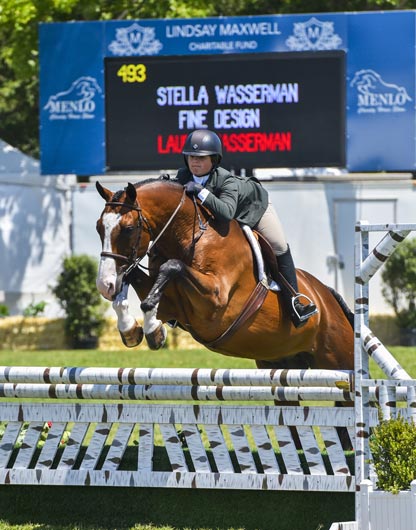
<point>127,229</point>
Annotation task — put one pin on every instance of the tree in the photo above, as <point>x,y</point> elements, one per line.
<point>399,289</point>
<point>19,19</point>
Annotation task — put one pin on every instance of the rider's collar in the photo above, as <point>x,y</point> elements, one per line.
<point>201,180</point>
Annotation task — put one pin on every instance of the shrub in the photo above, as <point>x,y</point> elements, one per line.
<point>399,277</point>
<point>34,310</point>
<point>393,447</point>
<point>79,297</point>
<point>4,311</point>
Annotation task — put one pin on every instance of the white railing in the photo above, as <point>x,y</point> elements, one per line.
<point>398,383</point>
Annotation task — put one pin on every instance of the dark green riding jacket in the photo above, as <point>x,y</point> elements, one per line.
<point>232,197</point>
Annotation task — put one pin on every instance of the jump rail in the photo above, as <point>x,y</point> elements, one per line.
<point>206,446</point>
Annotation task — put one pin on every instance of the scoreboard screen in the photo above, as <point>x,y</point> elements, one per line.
<point>269,109</point>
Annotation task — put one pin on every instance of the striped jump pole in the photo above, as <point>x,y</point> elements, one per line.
<point>342,379</point>
<point>382,356</point>
<point>191,393</point>
<point>381,253</point>
<point>172,392</point>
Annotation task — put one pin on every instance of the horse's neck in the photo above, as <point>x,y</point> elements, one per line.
<point>191,234</point>
<point>172,225</point>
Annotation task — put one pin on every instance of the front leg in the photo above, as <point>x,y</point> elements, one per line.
<point>191,287</point>
<point>130,332</point>
<point>154,330</point>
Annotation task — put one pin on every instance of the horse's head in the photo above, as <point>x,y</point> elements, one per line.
<point>124,234</point>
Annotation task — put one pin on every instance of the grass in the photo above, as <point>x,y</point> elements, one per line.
<point>200,358</point>
<point>73,508</point>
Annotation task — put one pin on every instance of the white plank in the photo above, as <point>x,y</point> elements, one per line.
<point>351,433</point>
<point>73,446</point>
<point>219,449</point>
<point>8,441</point>
<point>173,447</point>
<point>336,454</point>
<point>242,449</point>
<point>234,481</point>
<point>311,451</point>
<point>288,450</point>
<point>146,447</point>
<point>265,449</point>
<point>51,445</point>
<point>196,448</point>
<point>95,446</point>
<point>29,443</point>
<point>118,446</point>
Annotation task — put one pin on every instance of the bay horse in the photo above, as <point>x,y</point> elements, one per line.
<point>202,274</point>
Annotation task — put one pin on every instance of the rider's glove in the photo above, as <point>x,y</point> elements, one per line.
<point>193,188</point>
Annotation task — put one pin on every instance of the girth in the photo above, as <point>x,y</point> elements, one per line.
<point>252,305</point>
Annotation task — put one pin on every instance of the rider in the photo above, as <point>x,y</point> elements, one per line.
<point>242,198</point>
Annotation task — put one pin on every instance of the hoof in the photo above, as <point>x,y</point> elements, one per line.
<point>157,338</point>
<point>132,337</point>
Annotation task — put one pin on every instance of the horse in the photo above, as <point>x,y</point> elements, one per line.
<point>202,274</point>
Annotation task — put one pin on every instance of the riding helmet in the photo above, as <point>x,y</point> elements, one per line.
<point>203,142</point>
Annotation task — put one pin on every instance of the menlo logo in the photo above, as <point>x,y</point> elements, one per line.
<point>78,102</point>
<point>375,95</point>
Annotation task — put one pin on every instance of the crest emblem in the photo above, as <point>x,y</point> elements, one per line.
<point>313,35</point>
<point>135,40</point>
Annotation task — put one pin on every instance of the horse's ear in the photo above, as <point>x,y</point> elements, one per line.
<point>104,192</point>
<point>131,192</point>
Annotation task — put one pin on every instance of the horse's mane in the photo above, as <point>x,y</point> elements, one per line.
<point>150,180</point>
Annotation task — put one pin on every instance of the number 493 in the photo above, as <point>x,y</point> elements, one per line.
<point>132,73</point>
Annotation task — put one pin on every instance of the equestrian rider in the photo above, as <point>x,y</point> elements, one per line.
<point>229,197</point>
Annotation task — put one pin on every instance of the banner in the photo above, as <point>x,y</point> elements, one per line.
<point>97,115</point>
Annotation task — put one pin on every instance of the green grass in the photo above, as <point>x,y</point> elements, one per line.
<point>200,358</point>
<point>111,508</point>
<point>82,508</point>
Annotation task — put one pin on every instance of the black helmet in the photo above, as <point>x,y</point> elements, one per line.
<point>203,142</point>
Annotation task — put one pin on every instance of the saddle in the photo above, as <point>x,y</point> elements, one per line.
<point>269,257</point>
<point>267,267</point>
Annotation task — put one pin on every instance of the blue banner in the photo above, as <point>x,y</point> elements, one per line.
<point>379,84</point>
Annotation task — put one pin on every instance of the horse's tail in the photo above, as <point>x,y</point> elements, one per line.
<point>343,304</point>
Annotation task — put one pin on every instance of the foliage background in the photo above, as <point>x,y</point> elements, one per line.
<point>399,277</point>
<point>19,90</point>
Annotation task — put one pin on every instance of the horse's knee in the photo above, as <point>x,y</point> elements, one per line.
<point>167,272</point>
<point>172,267</point>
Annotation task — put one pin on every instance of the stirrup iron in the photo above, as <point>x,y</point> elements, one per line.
<point>303,318</point>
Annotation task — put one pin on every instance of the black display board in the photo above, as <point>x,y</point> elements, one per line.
<point>270,109</point>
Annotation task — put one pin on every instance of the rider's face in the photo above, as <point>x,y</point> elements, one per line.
<point>199,165</point>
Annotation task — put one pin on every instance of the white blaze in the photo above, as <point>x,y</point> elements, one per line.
<point>107,273</point>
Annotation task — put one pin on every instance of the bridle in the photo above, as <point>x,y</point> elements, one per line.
<point>133,260</point>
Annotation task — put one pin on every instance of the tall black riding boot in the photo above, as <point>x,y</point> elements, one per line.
<point>299,312</point>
